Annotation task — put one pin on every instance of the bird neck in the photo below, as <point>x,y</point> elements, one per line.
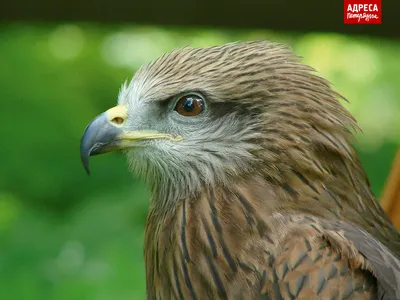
<point>215,225</point>
<point>343,194</point>
<point>212,230</point>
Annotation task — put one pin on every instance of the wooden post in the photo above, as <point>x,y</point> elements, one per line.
<point>390,200</point>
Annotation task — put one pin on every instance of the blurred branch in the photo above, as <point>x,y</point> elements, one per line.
<point>283,15</point>
<point>391,195</point>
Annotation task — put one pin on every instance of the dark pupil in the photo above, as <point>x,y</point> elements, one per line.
<point>188,105</point>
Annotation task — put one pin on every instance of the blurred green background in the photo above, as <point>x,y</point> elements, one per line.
<point>64,235</point>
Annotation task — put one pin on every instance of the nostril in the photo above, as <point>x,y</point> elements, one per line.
<point>118,120</point>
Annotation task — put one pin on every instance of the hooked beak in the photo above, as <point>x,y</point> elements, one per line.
<point>107,133</point>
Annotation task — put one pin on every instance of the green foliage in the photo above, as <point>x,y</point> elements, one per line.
<point>64,235</point>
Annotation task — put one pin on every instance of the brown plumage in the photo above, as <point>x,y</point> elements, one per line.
<point>390,200</point>
<point>257,192</point>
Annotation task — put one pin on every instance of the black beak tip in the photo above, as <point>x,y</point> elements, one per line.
<point>85,149</point>
<point>85,160</point>
<point>85,163</point>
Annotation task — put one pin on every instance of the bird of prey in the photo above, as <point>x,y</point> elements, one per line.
<point>257,191</point>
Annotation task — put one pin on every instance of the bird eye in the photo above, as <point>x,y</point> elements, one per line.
<point>190,105</point>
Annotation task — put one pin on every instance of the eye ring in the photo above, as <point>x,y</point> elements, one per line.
<point>189,105</point>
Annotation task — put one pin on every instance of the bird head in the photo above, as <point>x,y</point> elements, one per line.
<point>205,116</point>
